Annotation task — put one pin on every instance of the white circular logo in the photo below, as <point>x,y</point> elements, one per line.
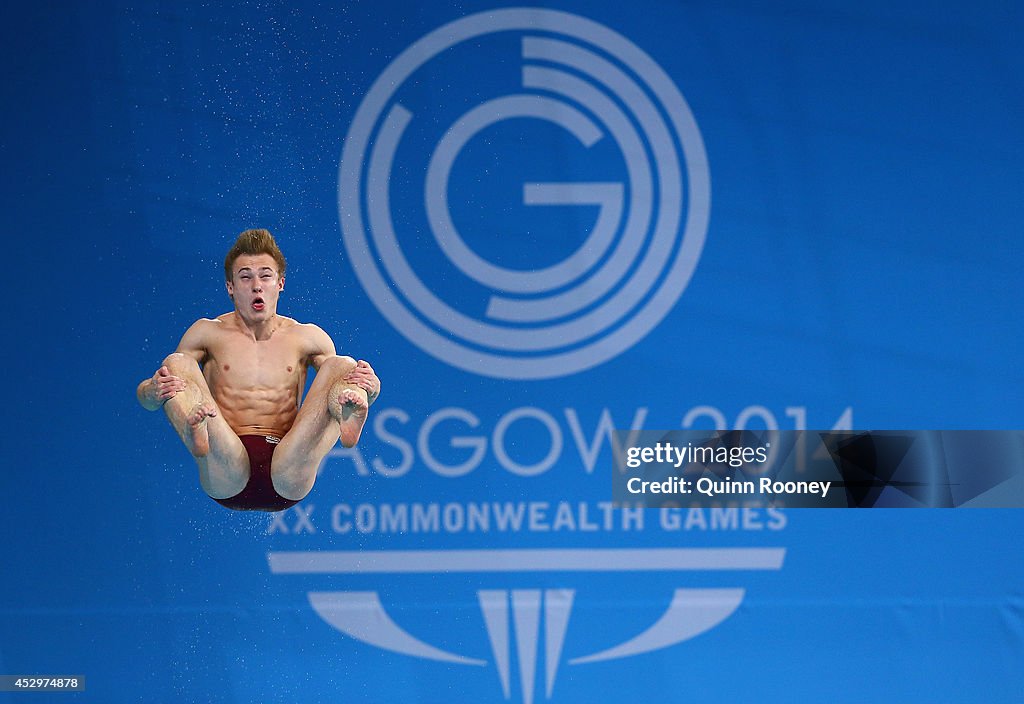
<point>581,82</point>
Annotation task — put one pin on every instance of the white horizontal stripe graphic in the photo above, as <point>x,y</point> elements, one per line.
<point>541,560</point>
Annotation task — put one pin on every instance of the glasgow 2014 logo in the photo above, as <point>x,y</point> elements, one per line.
<point>604,260</point>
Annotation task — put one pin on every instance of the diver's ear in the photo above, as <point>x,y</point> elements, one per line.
<point>280,284</point>
<point>231,289</point>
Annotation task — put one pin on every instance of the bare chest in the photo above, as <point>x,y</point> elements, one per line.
<point>237,362</point>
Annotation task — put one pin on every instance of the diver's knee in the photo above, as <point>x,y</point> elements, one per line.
<point>289,486</point>
<point>178,362</point>
<point>338,365</point>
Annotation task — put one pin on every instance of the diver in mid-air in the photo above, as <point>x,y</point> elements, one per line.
<point>233,389</point>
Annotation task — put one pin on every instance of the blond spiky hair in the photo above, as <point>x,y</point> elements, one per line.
<point>254,242</point>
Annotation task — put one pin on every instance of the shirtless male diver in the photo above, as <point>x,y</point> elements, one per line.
<point>233,389</point>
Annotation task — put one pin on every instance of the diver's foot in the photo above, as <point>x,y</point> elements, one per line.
<point>197,435</point>
<point>349,406</point>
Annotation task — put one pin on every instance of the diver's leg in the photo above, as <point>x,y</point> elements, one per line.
<point>223,462</point>
<point>332,408</point>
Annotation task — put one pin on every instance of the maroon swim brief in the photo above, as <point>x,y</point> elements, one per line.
<point>258,494</point>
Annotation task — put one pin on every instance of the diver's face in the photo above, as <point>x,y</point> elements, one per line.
<point>255,286</point>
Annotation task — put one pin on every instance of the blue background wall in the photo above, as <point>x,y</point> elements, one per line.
<point>862,262</point>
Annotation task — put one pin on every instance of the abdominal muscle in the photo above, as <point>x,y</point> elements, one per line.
<point>258,411</point>
<point>268,407</point>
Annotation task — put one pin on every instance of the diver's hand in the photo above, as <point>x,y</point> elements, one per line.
<point>164,385</point>
<point>364,377</point>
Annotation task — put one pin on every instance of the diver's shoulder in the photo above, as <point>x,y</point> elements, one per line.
<point>291,326</point>
<point>314,335</point>
<point>223,323</point>
<point>204,325</point>
<point>309,328</point>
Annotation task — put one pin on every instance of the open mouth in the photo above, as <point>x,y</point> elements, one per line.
<point>257,304</point>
